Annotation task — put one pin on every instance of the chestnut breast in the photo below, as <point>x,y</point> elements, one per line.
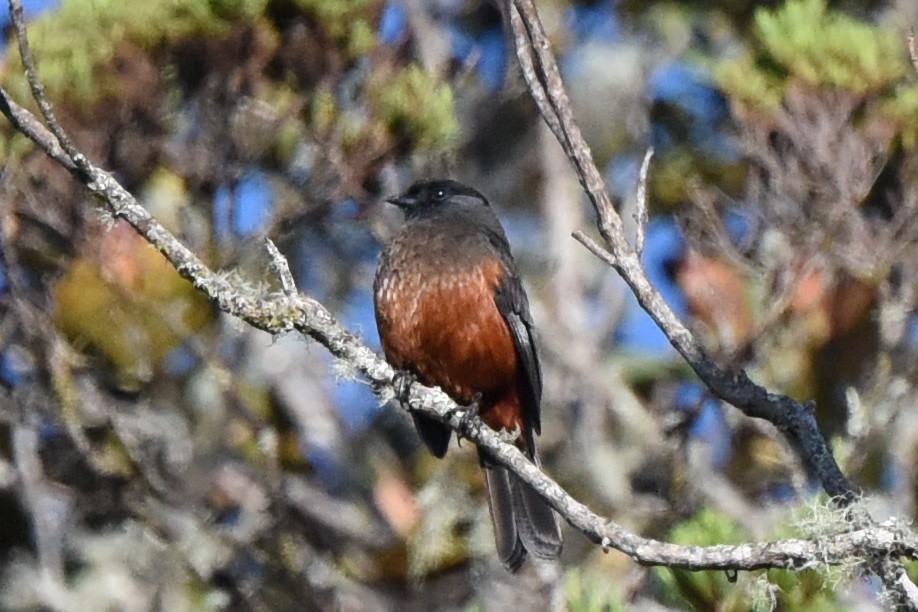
<point>437,315</point>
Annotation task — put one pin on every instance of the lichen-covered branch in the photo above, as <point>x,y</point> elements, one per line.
<point>794,419</point>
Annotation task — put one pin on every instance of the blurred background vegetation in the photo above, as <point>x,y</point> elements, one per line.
<point>157,455</point>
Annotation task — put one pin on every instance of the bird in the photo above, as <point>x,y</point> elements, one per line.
<point>452,312</point>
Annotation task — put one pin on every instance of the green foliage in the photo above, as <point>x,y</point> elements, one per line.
<point>902,107</point>
<point>397,107</point>
<point>750,85</point>
<point>804,590</point>
<point>73,44</point>
<point>825,47</point>
<point>323,110</point>
<point>591,591</point>
<point>911,568</point>
<point>345,21</point>
<point>790,590</point>
<point>804,42</point>
<point>708,528</point>
<point>415,103</point>
<point>701,590</point>
<point>78,49</point>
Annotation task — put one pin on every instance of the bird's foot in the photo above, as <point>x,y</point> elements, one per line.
<point>401,384</point>
<point>468,416</point>
<point>509,437</point>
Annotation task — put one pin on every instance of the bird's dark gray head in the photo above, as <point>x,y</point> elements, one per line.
<point>437,196</point>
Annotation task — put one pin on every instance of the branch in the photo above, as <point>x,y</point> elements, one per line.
<point>640,216</point>
<point>794,419</point>
<point>26,123</point>
<point>280,265</point>
<point>285,312</point>
<point>912,51</point>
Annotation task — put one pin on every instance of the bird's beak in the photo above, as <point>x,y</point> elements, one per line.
<point>402,201</point>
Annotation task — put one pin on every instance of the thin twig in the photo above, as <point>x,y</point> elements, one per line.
<point>524,55</point>
<point>595,248</point>
<point>640,215</point>
<point>38,92</point>
<point>567,131</point>
<point>31,127</point>
<point>912,51</point>
<point>279,262</point>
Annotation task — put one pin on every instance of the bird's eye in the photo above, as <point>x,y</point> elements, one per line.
<point>439,195</point>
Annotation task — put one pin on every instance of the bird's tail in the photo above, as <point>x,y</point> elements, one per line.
<point>523,521</point>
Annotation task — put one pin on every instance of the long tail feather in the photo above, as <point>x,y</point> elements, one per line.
<point>523,521</point>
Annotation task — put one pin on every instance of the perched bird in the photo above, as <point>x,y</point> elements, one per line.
<point>452,312</point>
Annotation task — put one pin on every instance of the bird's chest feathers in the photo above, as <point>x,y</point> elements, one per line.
<point>425,300</point>
<point>439,317</point>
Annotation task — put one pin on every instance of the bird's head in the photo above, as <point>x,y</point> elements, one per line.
<point>437,196</point>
